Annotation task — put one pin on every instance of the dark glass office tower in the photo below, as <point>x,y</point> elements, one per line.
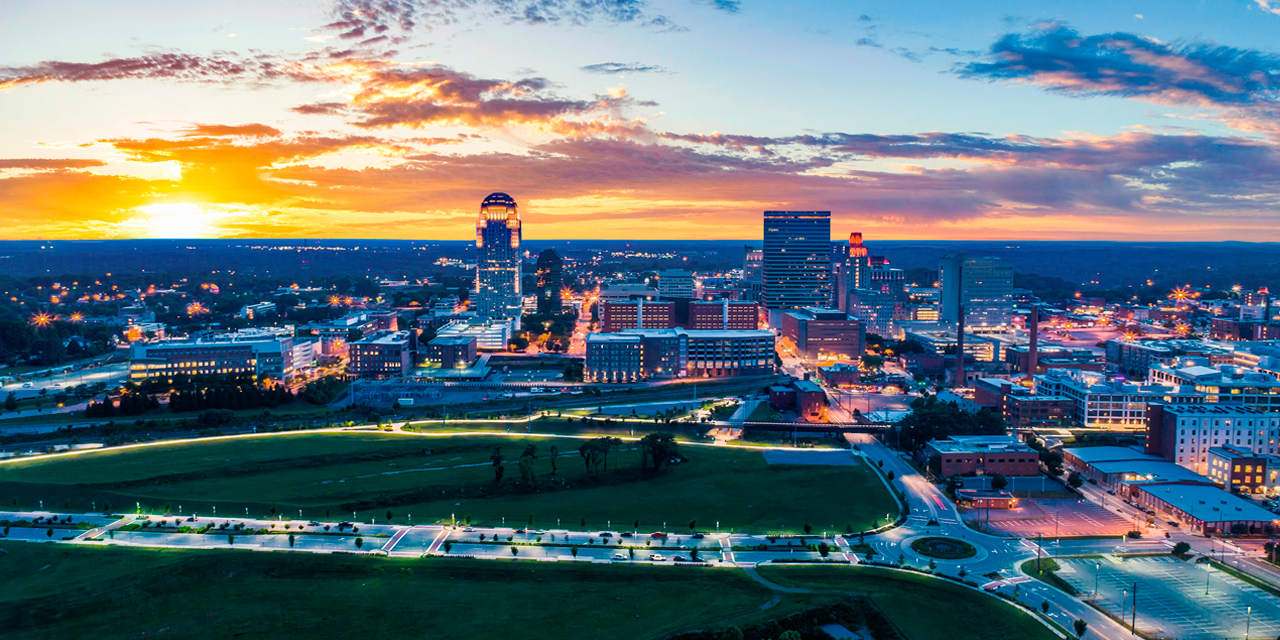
<point>550,281</point>
<point>797,260</point>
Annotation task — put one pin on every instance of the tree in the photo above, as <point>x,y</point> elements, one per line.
<point>448,546</point>
<point>658,448</point>
<point>1074,480</point>
<point>291,540</point>
<point>231,539</point>
<point>49,533</point>
<point>932,419</point>
<point>496,459</point>
<point>526,465</point>
<point>359,543</point>
<point>1180,549</point>
<point>11,402</point>
<point>1044,606</point>
<point>515,550</point>
<point>1081,626</point>
<point>732,633</point>
<point>790,634</point>
<point>823,549</point>
<point>999,482</point>
<point>552,453</point>
<point>574,551</point>
<point>808,528</point>
<point>1052,461</point>
<point>954,483</point>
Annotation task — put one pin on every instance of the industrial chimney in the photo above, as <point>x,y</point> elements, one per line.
<point>1033,357</point>
<point>959,378</point>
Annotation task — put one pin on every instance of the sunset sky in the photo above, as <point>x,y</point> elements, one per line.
<point>634,119</point>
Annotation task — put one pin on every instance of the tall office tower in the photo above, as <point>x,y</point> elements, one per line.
<point>850,268</point>
<point>753,265</point>
<point>797,261</point>
<point>498,259</point>
<point>550,281</point>
<point>982,287</point>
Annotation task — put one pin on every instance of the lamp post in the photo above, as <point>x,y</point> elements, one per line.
<point>1097,571</point>
<point>1248,622</point>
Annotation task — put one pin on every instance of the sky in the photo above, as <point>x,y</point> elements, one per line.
<point>640,119</point>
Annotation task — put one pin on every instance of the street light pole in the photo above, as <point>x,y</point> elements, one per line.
<point>1097,571</point>
<point>1133,621</point>
<point>1248,623</point>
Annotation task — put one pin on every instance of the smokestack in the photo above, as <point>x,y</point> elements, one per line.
<point>1033,361</point>
<point>959,381</point>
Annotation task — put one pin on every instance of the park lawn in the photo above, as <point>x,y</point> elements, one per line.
<point>66,591</point>
<point>922,607</point>
<point>372,473</point>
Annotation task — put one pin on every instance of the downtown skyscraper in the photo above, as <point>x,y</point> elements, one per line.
<point>797,261</point>
<point>498,274</point>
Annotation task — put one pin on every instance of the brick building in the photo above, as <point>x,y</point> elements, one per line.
<point>983,455</point>
<point>387,354</point>
<point>722,315</point>
<point>823,333</point>
<point>636,314</point>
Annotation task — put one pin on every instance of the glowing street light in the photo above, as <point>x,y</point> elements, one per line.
<point>42,319</point>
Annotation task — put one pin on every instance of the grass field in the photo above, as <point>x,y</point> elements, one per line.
<point>374,472</point>
<point>923,608</point>
<point>61,591</point>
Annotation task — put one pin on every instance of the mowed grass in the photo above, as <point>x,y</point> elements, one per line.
<point>921,607</point>
<point>65,591</point>
<point>330,475</point>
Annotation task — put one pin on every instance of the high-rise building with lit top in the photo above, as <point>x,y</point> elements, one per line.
<point>498,237</point>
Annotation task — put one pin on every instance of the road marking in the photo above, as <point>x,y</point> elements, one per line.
<point>435,544</point>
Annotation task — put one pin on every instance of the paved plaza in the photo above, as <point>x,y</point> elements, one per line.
<point>1171,597</point>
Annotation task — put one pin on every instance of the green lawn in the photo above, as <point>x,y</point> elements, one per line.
<point>64,591</point>
<point>373,472</point>
<point>923,608</point>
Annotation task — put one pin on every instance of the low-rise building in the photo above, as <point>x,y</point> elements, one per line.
<point>724,315</point>
<point>636,314</point>
<point>386,354</point>
<point>983,455</point>
<point>670,353</point>
<point>1237,469</point>
<point>1099,402</point>
<point>820,333</point>
<point>451,352</point>
<point>266,351</point>
<point>1206,509</point>
<point>490,334</point>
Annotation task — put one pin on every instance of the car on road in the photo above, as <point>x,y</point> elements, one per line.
<point>657,534</point>
<point>680,559</point>
<point>521,530</point>
<point>540,532</point>
<point>627,534</point>
<point>699,535</point>
<point>1173,524</point>
<point>469,529</point>
<point>1110,492</point>
<point>619,556</point>
<point>657,557</point>
<point>313,523</point>
<point>606,535</point>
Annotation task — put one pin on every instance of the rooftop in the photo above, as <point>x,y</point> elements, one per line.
<point>980,444</point>
<point>1144,470</point>
<point>1209,503</point>
<point>1233,453</point>
<point>1094,455</point>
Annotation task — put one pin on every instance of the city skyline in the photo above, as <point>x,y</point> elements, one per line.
<point>640,120</point>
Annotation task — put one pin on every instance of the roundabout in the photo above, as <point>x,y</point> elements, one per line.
<point>943,548</point>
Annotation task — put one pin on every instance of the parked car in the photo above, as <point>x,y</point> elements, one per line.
<point>1173,524</point>
<point>657,534</point>
<point>606,535</point>
<point>627,534</point>
<point>313,523</point>
<point>1110,492</point>
<point>680,559</point>
<point>699,535</point>
<point>619,556</point>
<point>521,530</point>
<point>657,557</point>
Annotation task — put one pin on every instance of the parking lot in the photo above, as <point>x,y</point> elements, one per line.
<point>1171,598</point>
<point>1052,518</point>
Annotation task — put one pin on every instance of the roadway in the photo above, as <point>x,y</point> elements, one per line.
<point>113,375</point>
<point>925,512</point>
